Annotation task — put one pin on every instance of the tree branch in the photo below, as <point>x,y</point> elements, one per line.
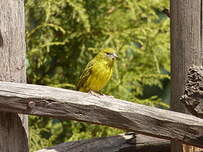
<point>74,105</point>
<point>166,12</point>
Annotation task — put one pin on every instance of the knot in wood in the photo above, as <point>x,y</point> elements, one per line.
<point>31,104</point>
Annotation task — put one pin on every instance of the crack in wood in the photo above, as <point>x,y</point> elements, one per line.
<point>201,26</point>
<point>1,40</point>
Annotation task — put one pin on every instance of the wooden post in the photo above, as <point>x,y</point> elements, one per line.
<point>13,127</point>
<point>186,50</point>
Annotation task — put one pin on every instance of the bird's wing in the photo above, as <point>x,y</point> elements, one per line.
<point>84,76</point>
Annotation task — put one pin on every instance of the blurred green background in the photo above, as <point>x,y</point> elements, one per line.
<point>63,35</point>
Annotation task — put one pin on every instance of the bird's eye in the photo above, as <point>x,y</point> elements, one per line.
<point>108,53</point>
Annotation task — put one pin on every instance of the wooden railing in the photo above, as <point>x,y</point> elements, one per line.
<point>73,105</point>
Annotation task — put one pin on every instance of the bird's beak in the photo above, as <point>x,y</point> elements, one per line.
<point>115,55</point>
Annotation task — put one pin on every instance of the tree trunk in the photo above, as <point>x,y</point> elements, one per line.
<point>186,50</point>
<point>13,127</point>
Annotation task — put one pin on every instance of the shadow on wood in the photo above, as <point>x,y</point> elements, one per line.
<point>1,39</point>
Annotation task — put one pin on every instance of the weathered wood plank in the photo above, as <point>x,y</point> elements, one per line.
<point>13,127</point>
<point>74,105</point>
<point>119,143</point>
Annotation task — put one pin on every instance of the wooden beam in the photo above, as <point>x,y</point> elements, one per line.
<point>119,143</point>
<point>104,110</point>
<point>13,127</point>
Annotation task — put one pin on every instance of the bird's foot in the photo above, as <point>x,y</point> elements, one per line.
<point>98,94</point>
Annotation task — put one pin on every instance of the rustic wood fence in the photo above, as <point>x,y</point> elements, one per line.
<point>73,105</point>
<point>17,98</point>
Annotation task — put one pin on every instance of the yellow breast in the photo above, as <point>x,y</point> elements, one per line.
<point>100,75</point>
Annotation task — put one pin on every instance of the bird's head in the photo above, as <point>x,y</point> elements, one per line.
<point>108,54</point>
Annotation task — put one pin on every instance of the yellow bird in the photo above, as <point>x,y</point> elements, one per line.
<point>97,72</point>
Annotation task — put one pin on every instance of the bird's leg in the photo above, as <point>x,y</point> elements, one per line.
<point>99,94</point>
<point>96,94</point>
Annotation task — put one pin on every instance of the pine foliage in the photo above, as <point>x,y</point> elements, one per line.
<point>63,35</point>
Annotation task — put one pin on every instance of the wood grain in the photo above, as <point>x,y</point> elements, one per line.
<point>119,143</point>
<point>186,49</point>
<point>193,94</point>
<point>13,127</point>
<point>104,110</point>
